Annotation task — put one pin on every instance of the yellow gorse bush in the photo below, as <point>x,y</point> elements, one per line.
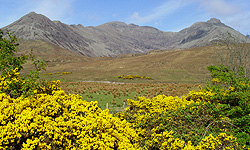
<point>60,121</point>
<point>160,103</point>
<point>11,77</point>
<point>60,73</point>
<point>200,95</point>
<point>133,77</point>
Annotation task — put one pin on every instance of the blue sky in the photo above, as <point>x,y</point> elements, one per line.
<point>165,15</point>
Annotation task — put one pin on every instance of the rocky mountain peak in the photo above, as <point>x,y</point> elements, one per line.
<point>114,38</point>
<point>32,18</point>
<point>80,25</point>
<point>214,21</point>
<point>33,14</point>
<point>31,26</point>
<point>113,24</point>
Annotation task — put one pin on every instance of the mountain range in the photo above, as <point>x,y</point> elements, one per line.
<point>115,38</point>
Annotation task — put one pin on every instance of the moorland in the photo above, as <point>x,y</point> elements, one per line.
<point>176,66</point>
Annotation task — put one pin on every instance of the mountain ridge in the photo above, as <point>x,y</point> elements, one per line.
<point>115,38</point>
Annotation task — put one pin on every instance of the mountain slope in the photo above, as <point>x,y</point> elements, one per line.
<point>115,38</point>
<point>36,26</point>
<point>187,65</point>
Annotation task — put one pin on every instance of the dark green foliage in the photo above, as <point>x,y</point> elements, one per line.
<point>225,110</point>
<point>8,49</point>
<point>10,65</point>
<point>233,93</point>
<point>191,123</point>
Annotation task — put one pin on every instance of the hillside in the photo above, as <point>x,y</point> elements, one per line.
<point>162,65</point>
<point>165,66</point>
<point>115,38</point>
<point>49,52</point>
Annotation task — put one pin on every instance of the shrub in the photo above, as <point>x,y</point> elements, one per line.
<point>232,91</point>
<point>134,77</point>
<point>51,119</point>
<point>189,122</point>
<point>10,65</point>
<point>233,52</point>
<point>8,49</point>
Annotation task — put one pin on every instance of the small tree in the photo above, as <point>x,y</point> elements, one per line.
<point>8,49</point>
<point>234,53</point>
<point>231,92</point>
<point>11,64</point>
<point>8,55</point>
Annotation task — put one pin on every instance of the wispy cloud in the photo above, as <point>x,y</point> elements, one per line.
<point>54,9</point>
<point>233,13</point>
<point>219,7</point>
<point>164,10</point>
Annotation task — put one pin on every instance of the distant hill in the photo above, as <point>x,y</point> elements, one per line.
<point>115,38</point>
<point>176,66</point>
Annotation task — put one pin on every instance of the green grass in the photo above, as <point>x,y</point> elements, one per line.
<point>103,98</point>
<point>116,94</point>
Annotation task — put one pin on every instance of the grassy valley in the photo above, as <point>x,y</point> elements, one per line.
<point>172,73</point>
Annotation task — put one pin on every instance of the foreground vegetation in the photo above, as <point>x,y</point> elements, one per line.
<point>213,117</point>
<point>40,115</point>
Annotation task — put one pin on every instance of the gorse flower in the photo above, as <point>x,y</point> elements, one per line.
<point>63,121</point>
<point>60,121</point>
<point>51,119</point>
<point>134,77</point>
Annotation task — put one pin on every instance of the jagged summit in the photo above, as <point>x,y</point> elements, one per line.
<point>214,20</point>
<point>32,13</point>
<point>115,23</point>
<point>114,38</point>
<point>31,17</point>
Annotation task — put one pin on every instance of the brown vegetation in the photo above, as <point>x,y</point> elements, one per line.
<point>148,90</point>
<point>164,66</point>
<point>185,66</point>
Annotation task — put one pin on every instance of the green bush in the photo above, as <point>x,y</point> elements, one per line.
<point>220,108</point>
<point>11,63</point>
<point>189,122</point>
<point>232,91</point>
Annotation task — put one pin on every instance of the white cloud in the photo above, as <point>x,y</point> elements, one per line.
<point>239,22</point>
<point>135,17</point>
<point>161,11</point>
<point>232,13</point>
<point>219,7</point>
<point>54,9</point>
